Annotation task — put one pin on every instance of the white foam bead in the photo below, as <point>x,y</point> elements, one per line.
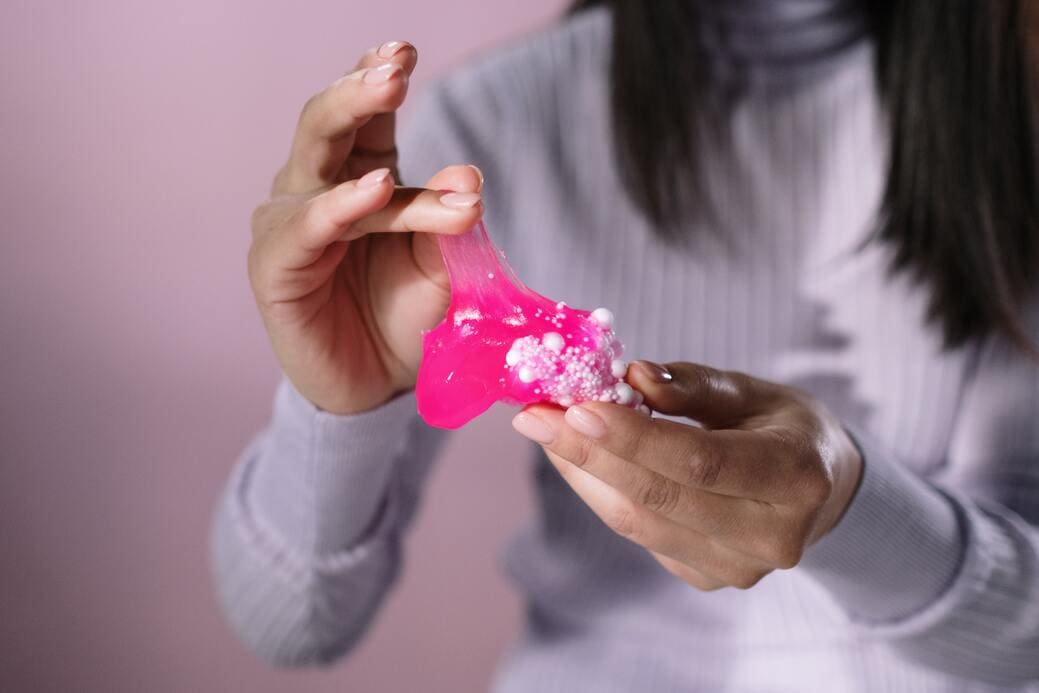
<point>625,393</point>
<point>565,401</point>
<point>553,341</point>
<point>512,357</point>
<point>603,316</point>
<point>525,374</point>
<point>645,410</point>
<point>618,368</point>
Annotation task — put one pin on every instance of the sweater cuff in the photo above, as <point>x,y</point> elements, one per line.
<point>897,549</point>
<point>321,479</point>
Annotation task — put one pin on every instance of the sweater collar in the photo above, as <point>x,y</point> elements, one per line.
<point>781,32</point>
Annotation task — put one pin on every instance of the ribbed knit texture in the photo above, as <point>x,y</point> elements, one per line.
<point>931,580</point>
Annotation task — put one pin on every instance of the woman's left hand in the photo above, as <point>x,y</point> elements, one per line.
<point>770,472</point>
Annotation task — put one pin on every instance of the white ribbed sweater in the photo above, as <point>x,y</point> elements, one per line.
<point>931,580</point>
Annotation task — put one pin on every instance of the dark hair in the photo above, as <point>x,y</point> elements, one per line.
<point>961,203</point>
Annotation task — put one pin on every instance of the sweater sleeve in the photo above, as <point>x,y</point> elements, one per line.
<point>945,570</point>
<point>306,541</point>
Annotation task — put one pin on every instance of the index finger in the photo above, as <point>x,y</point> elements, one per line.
<point>370,204</point>
<point>375,143</point>
<point>357,110</point>
<point>743,464</point>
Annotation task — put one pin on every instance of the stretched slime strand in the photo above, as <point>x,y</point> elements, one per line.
<point>501,341</point>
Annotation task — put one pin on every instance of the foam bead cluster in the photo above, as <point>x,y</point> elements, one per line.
<point>567,369</point>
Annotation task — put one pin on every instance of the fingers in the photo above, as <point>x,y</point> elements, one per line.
<point>716,563</point>
<point>418,209</point>
<point>375,143</point>
<point>355,110</point>
<point>460,178</point>
<point>725,518</point>
<point>718,399</point>
<point>739,464</point>
<point>291,235</point>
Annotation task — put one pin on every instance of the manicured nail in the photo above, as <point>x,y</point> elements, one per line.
<point>654,371</point>
<point>381,74</point>
<point>390,48</point>
<point>479,173</point>
<point>585,421</point>
<point>373,178</point>
<point>460,199</point>
<point>530,426</point>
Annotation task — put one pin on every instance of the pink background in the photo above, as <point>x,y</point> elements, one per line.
<point>136,137</point>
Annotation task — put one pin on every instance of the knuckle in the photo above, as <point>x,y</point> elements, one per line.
<point>803,450</point>
<point>704,467</point>
<point>700,380</point>
<point>803,455</point>
<point>633,444</point>
<point>818,486</point>
<point>659,495</point>
<point>583,452</point>
<point>784,545</point>
<point>749,578</point>
<point>784,554</point>
<point>311,107</point>
<point>313,217</point>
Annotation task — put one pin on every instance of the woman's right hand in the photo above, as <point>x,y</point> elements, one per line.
<point>343,264</point>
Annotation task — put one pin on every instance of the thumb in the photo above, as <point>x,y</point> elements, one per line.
<point>715,398</point>
<point>425,247</point>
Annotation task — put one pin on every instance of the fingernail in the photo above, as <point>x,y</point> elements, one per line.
<point>478,173</point>
<point>381,74</point>
<point>373,178</point>
<point>584,421</point>
<point>390,48</point>
<point>460,199</point>
<point>654,371</point>
<point>530,426</point>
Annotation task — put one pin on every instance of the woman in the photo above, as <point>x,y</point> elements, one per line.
<point>831,203</point>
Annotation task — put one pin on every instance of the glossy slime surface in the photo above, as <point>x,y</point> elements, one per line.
<point>501,341</point>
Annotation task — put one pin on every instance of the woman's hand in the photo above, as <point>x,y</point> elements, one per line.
<point>342,264</point>
<point>724,505</point>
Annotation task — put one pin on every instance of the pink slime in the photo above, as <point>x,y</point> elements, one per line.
<point>501,341</point>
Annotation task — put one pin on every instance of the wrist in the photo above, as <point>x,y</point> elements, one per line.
<point>897,546</point>
<point>846,479</point>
